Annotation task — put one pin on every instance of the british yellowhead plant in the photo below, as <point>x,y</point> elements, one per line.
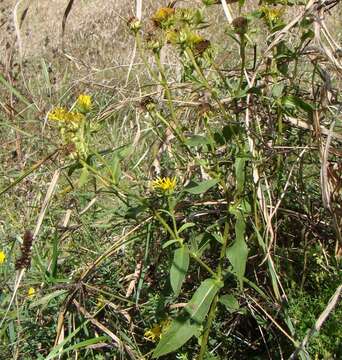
<point>205,201</point>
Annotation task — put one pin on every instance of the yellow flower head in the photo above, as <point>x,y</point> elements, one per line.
<point>31,292</point>
<point>272,14</point>
<point>84,102</point>
<point>162,14</point>
<point>164,184</point>
<point>58,114</point>
<point>194,38</point>
<point>2,257</point>
<point>154,333</point>
<point>157,331</point>
<point>63,115</point>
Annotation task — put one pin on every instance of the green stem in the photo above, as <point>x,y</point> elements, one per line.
<point>172,212</point>
<point>218,275</point>
<point>205,337</point>
<point>203,264</point>
<point>167,90</point>
<point>243,59</point>
<point>165,225</point>
<point>199,71</point>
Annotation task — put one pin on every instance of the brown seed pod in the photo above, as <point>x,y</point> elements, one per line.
<point>201,47</point>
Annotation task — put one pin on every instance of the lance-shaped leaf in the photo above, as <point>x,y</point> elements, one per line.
<point>202,187</point>
<point>188,324</point>
<point>237,253</point>
<point>179,268</point>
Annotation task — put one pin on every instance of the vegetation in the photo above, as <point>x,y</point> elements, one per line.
<point>195,213</point>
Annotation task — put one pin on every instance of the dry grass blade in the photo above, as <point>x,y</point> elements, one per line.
<point>227,10</point>
<point>65,15</point>
<point>23,16</point>
<point>17,26</point>
<point>46,201</point>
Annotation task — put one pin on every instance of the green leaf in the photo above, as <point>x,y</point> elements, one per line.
<point>294,102</point>
<point>188,325</point>
<point>238,252</point>
<point>47,298</point>
<point>196,140</point>
<point>242,206</point>
<point>180,331</point>
<point>199,304</point>
<point>83,177</point>
<point>230,302</point>
<point>179,268</point>
<point>277,90</point>
<point>185,226</point>
<point>240,173</point>
<point>134,211</point>
<point>170,242</point>
<point>200,188</point>
<point>115,169</point>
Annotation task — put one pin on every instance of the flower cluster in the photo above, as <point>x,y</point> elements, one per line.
<point>165,184</point>
<point>73,126</point>
<point>177,26</point>
<point>63,115</point>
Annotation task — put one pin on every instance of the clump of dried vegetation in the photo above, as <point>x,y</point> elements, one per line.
<point>171,180</point>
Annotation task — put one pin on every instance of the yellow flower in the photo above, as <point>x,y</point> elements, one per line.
<point>162,14</point>
<point>31,292</point>
<point>272,14</point>
<point>164,184</point>
<point>58,114</point>
<point>171,36</point>
<point>2,257</point>
<point>154,333</point>
<point>63,115</point>
<point>157,331</point>
<point>194,38</point>
<point>84,102</point>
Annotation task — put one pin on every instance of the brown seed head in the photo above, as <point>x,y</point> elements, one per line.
<point>240,25</point>
<point>25,259</point>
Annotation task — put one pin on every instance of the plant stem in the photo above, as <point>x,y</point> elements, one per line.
<point>203,264</point>
<point>243,59</point>
<point>205,337</point>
